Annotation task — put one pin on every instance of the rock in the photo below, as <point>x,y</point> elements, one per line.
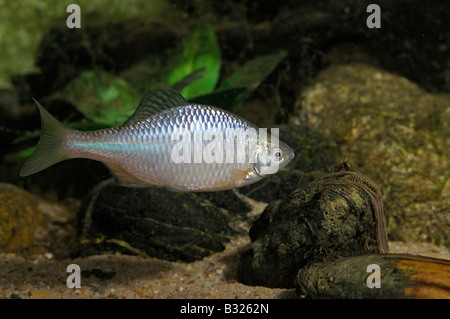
<point>332,217</point>
<point>20,217</point>
<point>159,223</point>
<point>401,276</point>
<point>395,132</point>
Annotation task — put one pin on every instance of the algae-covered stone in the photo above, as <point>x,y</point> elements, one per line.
<point>395,132</point>
<point>20,216</point>
<point>160,223</point>
<point>329,218</point>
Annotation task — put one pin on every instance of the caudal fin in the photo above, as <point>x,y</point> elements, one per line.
<point>50,147</point>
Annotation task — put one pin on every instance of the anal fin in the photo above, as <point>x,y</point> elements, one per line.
<point>176,189</point>
<point>125,178</point>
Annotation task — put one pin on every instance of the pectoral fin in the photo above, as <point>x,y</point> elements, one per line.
<point>240,175</point>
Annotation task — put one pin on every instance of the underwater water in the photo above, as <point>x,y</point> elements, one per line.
<point>359,91</point>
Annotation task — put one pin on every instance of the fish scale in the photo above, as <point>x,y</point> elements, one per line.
<point>140,152</point>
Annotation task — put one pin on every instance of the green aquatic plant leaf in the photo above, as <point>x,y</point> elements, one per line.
<point>253,73</point>
<point>197,51</point>
<point>232,91</point>
<point>102,97</point>
<point>14,156</point>
<point>189,79</point>
<point>27,136</point>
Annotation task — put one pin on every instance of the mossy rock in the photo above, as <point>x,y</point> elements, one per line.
<point>327,219</point>
<point>395,132</point>
<point>20,217</point>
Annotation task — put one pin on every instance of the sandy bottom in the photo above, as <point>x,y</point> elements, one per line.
<point>123,276</point>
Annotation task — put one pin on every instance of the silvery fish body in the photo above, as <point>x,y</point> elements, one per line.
<point>168,142</point>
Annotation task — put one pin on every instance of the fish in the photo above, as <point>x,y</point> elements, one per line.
<point>168,142</point>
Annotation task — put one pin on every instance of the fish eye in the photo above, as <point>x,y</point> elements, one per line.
<point>277,154</point>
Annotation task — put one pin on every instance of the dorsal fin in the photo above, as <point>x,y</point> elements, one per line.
<point>159,98</point>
